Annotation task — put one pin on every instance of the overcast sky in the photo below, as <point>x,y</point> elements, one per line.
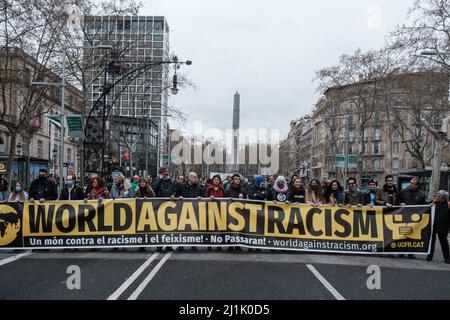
<point>267,50</point>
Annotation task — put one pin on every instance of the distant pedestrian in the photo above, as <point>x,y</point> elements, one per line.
<point>3,188</point>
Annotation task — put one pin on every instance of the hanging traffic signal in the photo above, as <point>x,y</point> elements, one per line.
<point>126,155</point>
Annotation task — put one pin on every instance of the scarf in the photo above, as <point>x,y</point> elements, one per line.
<point>281,185</point>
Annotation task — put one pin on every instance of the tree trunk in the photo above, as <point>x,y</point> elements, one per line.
<point>12,151</point>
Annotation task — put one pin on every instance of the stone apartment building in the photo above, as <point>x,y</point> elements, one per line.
<point>38,144</point>
<point>376,122</point>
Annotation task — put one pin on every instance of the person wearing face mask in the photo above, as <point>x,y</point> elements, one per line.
<point>280,190</point>
<point>259,191</point>
<point>353,197</point>
<point>18,194</point>
<point>71,190</point>
<point>42,189</point>
<point>370,196</point>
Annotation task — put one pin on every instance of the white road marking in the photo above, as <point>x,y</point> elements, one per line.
<point>326,284</point>
<point>133,277</point>
<point>149,278</point>
<point>14,258</point>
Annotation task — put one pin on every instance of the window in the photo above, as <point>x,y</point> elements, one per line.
<point>376,164</point>
<point>377,134</point>
<point>157,44</point>
<point>377,117</point>
<point>350,121</point>
<point>395,164</point>
<point>158,27</point>
<point>158,38</point>
<point>396,148</point>
<point>40,149</point>
<point>376,148</point>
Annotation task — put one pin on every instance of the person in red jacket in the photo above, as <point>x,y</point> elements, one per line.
<point>215,189</point>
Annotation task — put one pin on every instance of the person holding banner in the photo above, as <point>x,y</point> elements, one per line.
<point>314,193</point>
<point>388,196</point>
<point>280,190</point>
<point>43,189</point>
<point>258,190</point>
<point>215,189</point>
<point>144,190</point>
<point>71,191</point>
<point>119,189</point>
<point>164,186</point>
<point>296,192</point>
<point>353,197</point>
<point>99,191</point>
<point>369,197</point>
<point>235,189</point>
<point>334,195</point>
<point>191,189</point>
<point>441,225</point>
<point>18,194</point>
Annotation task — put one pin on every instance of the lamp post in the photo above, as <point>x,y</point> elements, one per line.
<point>62,85</point>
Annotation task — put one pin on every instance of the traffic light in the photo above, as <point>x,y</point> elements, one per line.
<point>126,155</point>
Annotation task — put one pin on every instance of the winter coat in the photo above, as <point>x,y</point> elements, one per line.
<point>145,193</point>
<point>211,192</point>
<point>164,188</point>
<point>76,193</point>
<point>190,191</point>
<point>258,193</point>
<point>382,197</point>
<point>295,196</point>
<point>354,198</point>
<point>119,192</point>
<point>43,189</point>
<point>233,192</point>
<point>99,193</point>
<point>412,197</point>
<point>367,198</point>
<point>441,218</point>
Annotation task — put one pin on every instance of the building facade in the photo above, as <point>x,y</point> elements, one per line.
<point>373,127</point>
<point>37,144</point>
<point>140,84</point>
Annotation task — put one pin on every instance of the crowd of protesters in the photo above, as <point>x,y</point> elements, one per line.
<point>278,189</point>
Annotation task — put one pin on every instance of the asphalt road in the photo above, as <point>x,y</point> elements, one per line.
<point>218,275</point>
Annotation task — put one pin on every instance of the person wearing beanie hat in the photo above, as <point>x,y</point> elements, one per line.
<point>258,191</point>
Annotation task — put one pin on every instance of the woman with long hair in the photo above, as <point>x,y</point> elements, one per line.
<point>296,192</point>
<point>99,191</point>
<point>215,189</point>
<point>314,193</point>
<point>144,190</point>
<point>18,193</point>
<point>334,194</point>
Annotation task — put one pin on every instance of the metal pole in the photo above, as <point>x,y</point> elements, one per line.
<point>104,120</point>
<point>346,152</point>
<point>61,153</point>
<point>158,161</point>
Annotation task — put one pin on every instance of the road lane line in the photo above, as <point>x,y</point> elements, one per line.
<point>149,278</point>
<point>133,277</point>
<point>326,284</point>
<point>14,258</point>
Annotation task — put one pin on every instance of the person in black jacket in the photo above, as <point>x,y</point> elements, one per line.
<point>42,189</point>
<point>413,196</point>
<point>191,189</point>
<point>164,186</point>
<point>258,190</point>
<point>441,225</point>
<point>235,190</point>
<point>71,190</point>
<point>296,192</point>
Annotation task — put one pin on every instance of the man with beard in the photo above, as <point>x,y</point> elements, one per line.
<point>314,193</point>
<point>388,196</point>
<point>353,197</point>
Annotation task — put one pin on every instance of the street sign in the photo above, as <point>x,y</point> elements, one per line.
<point>76,126</point>
<point>56,120</point>
<point>352,161</point>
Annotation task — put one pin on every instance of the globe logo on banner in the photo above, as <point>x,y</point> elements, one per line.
<point>9,224</point>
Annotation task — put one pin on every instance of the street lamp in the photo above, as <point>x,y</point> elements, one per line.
<point>62,85</point>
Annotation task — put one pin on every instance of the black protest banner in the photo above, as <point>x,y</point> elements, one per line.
<point>215,222</point>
